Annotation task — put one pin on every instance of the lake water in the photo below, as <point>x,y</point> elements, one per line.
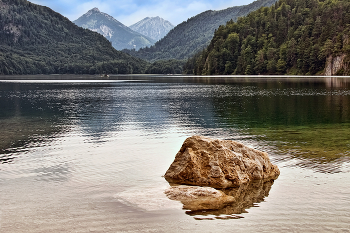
<point>88,156</point>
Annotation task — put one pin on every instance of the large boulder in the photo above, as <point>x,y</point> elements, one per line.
<point>218,163</point>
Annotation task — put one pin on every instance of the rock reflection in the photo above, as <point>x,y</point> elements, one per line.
<point>206,203</point>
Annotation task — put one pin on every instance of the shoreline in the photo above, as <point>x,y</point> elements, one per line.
<point>169,76</point>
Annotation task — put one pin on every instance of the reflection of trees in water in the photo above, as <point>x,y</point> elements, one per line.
<point>27,117</point>
<point>18,132</point>
<point>307,121</point>
<point>237,201</point>
<point>312,160</point>
<point>323,148</point>
<point>254,107</point>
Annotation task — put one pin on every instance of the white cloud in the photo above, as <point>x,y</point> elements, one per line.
<point>130,12</point>
<point>169,10</point>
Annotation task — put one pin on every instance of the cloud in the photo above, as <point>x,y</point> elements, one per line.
<point>132,11</point>
<point>176,11</point>
<point>167,9</point>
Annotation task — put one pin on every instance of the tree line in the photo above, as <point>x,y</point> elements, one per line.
<point>290,37</point>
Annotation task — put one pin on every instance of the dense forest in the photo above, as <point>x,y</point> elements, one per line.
<point>290,37</point>
<point>36,40</point>
<point>166,67</point>
<point>191,36</point>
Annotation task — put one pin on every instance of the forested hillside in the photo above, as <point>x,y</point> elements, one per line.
<point>193,35</point>
<point>36,40</point>
<point>290,37</point>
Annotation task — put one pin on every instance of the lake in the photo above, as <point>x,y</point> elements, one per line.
<point>88,155</point>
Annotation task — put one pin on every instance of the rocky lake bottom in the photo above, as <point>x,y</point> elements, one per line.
<point>90,155</point>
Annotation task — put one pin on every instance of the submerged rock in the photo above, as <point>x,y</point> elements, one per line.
<point>209,201</point>
<point>218,163</point>
<point>196,198</point>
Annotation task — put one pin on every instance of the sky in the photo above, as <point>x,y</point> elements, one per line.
<point>129,12</point>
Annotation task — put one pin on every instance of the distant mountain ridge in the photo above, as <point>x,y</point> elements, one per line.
<point>153,27</point>
<point>195,34</point>
<point>121,36</point>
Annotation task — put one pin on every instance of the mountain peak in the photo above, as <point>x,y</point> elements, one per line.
<point>120,35</point>
<point>95,9</point>
<point>153,27</point>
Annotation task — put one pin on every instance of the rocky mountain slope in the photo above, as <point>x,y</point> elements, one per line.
<point>36,40</point>
<point>121,36</point>
<point>195,34</point>
<point>153,27</point>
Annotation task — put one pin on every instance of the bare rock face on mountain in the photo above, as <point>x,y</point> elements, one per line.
<point>218,163</point>
<point>153,27</point>
<point>335,64</point>
<point>121,36</point>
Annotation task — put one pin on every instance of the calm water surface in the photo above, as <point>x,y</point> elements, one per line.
<point>88,156</point>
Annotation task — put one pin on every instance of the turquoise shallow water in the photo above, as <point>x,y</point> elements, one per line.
<point>80,156</point>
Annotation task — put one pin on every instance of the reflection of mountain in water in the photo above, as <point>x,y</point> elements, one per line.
<point>151,108</point>
<point>234,202</point>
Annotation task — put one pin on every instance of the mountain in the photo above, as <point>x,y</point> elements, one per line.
<point>153,27</point>
<point>195,34</point>
<point>36,40</point>
<point>291,37</point>
<point>120,35</point>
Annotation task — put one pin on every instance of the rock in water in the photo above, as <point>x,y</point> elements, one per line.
<point>229,201</point>
<point>196,198</point>
<point>218,163</point>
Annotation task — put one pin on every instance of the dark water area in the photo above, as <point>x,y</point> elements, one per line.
<point>80,155</point>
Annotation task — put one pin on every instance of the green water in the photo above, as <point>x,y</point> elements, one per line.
<point>306,119</point>
<point>322,142</point>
